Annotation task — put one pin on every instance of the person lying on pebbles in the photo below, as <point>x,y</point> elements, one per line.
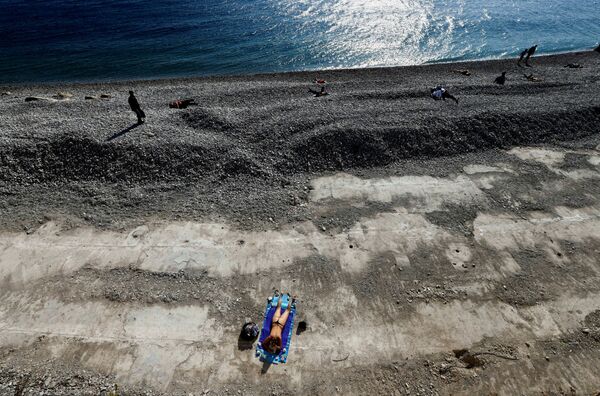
<point>318,93</point>
<point>39,98</point>
<point>574,66</point>
<point>182,103</point>
<point>63,96</point>
<point>441,93</point>
<point>532,78</point>
<point>464,72</point>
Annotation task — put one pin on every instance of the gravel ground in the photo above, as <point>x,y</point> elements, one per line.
<point>249,147</point>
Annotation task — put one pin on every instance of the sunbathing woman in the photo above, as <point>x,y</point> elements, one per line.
<point>272,343</point>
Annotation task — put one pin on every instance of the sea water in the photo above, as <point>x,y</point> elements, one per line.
<point>97,40</point>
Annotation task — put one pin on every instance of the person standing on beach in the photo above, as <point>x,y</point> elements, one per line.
<point>521,57</point>
<point>135,106</point>
<point>530,53</point>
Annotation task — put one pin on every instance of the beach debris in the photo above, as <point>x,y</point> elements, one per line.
<point>62,96</point>
<point>464,72</point>
<point>5,93</point>
<point>319,81</point>
<point>249,331</point>
<point>38,98</point>
<point>500,80</point>
<point>532,78</point>
<point>341,358</point>
<point>182,103</point>
<point>574,66</point>
<point>466,357</point>
<point>105,96</point>
<point>114,391</point>
<point>90,97</point>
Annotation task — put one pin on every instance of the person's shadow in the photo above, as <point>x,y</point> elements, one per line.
<point>245,345</point>
<point>123,132</point>
<point>302,326</point>
<point>265,367</point>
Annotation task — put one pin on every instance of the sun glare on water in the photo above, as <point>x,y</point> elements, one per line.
<point>366,33</point>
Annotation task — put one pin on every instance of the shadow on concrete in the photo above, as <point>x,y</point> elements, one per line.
<point>302,326</point>
<point>266,366</point>
<point>245,345</point>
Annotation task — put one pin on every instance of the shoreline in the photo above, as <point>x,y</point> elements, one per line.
<point>66,83</point>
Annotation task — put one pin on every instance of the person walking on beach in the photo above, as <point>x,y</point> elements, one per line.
<point>500,80</point>
<point>528,53</point>
<point>135,106</point>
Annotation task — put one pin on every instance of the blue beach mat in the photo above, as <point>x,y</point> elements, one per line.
<point>286,333</point>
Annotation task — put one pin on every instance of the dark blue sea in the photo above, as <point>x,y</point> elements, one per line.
<point>92,40</point>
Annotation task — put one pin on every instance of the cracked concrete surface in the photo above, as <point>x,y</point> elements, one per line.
<point>392,287</point>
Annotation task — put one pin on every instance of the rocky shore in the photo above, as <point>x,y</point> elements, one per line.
<point>268,132</point>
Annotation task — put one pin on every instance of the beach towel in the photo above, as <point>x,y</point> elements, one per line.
<point>286,334</point>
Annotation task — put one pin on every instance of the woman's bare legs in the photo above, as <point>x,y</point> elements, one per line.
<point>286,313</point>
<point>277,313</point>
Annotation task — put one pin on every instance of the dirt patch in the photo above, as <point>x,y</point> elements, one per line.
<point>574,161</point>
<point>457,218</point>
<point>593,320</point>
<point>131,287</point>
<point>337,217</point>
